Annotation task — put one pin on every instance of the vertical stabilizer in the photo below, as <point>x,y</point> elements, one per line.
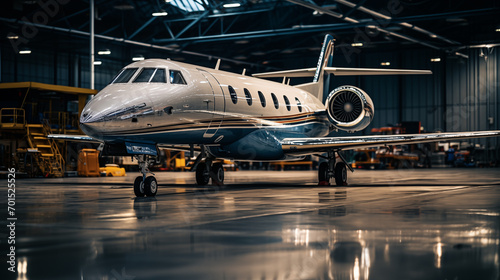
<point>325,60</point>
<point>317,87</point>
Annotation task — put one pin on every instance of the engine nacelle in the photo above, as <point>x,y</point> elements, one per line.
<point>349,108</point>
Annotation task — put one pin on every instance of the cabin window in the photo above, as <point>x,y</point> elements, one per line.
<point>248,96</point>
<point>299,104</point>
<point>262,99</point>
<point>176,78</point>
<point>287,102</point>
<point>234,97</point>
<point>124,75</point>
<point>275,100</point>
<point>159,76</point>
<point>145,75</point>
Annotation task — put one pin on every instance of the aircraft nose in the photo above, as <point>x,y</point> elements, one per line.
<point>90,123</point>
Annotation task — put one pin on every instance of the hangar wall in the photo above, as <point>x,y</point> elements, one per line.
<point>461,94</point>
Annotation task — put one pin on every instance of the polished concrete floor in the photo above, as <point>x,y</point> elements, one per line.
<point>411,224</point>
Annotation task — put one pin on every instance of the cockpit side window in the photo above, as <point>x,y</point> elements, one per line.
<point>177,78</point>
<point>159,76</point>
<point>125,75</point>
<point>145,75</point>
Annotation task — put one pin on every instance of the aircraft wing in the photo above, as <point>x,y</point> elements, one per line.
<point>302,146</point>
<point>78,138</point>
<point>340,71</point>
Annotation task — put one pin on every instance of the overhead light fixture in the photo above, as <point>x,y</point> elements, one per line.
<point>138,58</point>
<point>104,52</point>
<point>385,63</point>
<point>436,59</point>
<point>12,37</point>
<point>497,30</point>
<point>159,14</point>
<point>168,1</point>
<point>97,62</point>
<point>25,52</point>
<point>231,5</point>
<point>433,36</point>
<point>317,13</point>
<point>357,44</point>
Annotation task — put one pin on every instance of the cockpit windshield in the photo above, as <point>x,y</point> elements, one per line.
<point>151,75</point>
<point>176,77</point>
<point>124,76</point>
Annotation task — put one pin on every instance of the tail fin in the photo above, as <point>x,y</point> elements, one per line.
<point>317,87</point>
<point>325,58</point>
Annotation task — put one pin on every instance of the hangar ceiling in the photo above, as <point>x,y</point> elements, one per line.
<point>258,32</point>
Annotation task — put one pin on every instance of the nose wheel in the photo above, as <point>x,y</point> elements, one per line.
<point>145,185</point>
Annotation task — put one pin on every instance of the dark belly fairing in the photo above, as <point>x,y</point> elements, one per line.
<point>265,143</point>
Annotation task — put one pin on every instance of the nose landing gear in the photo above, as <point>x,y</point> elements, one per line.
<point>145,185</point>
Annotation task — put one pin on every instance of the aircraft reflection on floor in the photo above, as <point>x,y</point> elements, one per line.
<point>266,231</point>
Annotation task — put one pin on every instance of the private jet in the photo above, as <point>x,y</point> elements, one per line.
<point>162,103</point>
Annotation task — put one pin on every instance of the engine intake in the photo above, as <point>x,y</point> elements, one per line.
<point>349,108</point>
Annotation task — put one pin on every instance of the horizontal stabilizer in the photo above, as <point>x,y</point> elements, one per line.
<point>339,71</point>
<point>300,146</point>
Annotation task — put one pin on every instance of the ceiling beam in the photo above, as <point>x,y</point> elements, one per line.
<point>130,42</point>
<point>352,20</point>
<point>389,19</point>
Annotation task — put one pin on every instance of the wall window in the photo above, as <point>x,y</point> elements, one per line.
<point>275,100</point>
<point>287,102</point>
<point>176,78</point>
<point>262,99</point>
<point>299,104</point>
<point>125,75</point>
<point>234,97</point>
<point>248,96</point>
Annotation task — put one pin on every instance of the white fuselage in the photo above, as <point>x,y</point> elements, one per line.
<point>204,106</point>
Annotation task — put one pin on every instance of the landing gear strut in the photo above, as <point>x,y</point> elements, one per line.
<point>145,185</point>
<point>333,169</point>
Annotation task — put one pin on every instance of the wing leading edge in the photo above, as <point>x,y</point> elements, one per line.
<point>77,138</point>
<point>301,146</point>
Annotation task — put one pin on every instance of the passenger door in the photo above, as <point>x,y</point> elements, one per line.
<point>216,105</point>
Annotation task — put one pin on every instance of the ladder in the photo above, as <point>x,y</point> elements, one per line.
<point>51,161</point>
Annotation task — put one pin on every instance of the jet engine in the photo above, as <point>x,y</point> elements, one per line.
<point>349,108</point>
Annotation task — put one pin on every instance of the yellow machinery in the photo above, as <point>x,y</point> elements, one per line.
<point>112,170</point>
<point>88,163</point>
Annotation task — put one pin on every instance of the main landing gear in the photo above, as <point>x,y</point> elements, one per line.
<point>206,169</point>
<point>145,185</point>
<point>333,169</point>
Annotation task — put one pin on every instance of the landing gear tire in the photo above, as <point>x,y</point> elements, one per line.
<point>139,187</point>
<point>217,174</point>
<point>150,186</point>
<point>341,174</point>
<point>323,177</point>
<point>202,174</point>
